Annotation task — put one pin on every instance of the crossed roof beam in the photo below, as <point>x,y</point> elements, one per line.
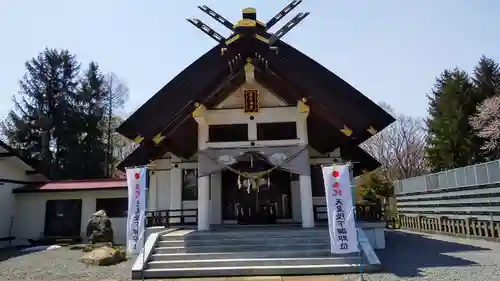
<point>226,23</point>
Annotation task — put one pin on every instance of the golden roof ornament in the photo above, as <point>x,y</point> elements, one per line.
<point>158,138</point>
<point>138,139</point>
<point>372,130</point>
<point>302,106</point>
<point>346,131</point>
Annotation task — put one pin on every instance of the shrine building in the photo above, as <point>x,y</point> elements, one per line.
<point>240,135</point>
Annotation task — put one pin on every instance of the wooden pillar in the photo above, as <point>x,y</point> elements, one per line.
<point>306,200</point>
<point>203,182</point>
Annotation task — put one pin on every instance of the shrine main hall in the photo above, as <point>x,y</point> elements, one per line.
<point>240,135</point>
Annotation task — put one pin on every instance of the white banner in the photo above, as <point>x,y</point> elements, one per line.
<point>341,222</point>
<point>136,216</point>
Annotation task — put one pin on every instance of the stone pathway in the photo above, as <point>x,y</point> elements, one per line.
<point>259,278</point>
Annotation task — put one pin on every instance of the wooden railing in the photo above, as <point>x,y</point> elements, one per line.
<point>366,213</point>
<point>173,217</point>
<point>468,227</point>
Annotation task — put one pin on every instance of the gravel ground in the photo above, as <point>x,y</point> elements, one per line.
<point>418,257</point>
<point>57,264</point>
<point>408,256</point>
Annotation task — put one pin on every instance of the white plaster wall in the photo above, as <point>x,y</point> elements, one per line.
<point>215,200</point>
<point>13,169</point>
<point>165,189</point>
<point>6,207</point>
<point>161,197</point>
<point>29,218</point>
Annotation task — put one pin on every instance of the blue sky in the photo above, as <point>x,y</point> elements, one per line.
<point>390,50</point>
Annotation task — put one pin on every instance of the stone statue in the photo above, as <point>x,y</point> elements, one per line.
<point>99,228</point>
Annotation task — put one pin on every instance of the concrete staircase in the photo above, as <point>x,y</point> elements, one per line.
<point>246,251</point>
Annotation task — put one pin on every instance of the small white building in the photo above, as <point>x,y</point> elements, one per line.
<point>15,171</point>
<point>33,207</point>
<point>61,209</point>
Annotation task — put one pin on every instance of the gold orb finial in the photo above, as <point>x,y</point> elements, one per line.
<point>304,99</point>
<point>249,10</point>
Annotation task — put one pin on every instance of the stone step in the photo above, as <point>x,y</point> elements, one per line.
<point>209,235</point>
<point>244,241</point>
<point>204,263</point>
<point>241,248</point>
<point>242,255</point>
<point>251,271</point>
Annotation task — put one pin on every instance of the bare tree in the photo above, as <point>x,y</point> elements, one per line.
<point>121,146</point>
<point>115,99</point>
<point>399,147</point>
<point>486,123</point>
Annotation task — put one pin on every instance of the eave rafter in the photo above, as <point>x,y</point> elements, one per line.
<point>289,73</point>
<point>317,107</point>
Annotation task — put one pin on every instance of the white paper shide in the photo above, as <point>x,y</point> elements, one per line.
<point>136,182</point>
<point>341,221</point>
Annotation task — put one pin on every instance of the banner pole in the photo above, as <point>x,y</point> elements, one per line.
<point>360,255</point>
<point>146,190</point>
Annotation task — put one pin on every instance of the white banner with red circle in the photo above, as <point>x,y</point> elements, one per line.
<point>136,215</point>
<point>340,208</point>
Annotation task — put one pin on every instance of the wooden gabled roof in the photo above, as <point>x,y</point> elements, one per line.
<point>339,113</point>
<point>181,133</point>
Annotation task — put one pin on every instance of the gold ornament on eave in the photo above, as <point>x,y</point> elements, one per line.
<point>346,131</point>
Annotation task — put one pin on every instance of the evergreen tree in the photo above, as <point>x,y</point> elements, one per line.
<point>61,116</point>
<point>487,82</point>
<point>374,187</point>
<point>37,125</point>
<point>486,78</point>
<point>91,110</point>
<point>451,141</point>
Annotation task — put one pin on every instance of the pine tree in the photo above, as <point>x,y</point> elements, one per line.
<point>37,126</point>
<point>485,121</point>
<point>91,109</point>
<point>486,78</point>
<point>61,116</point>
<point>451,141</point>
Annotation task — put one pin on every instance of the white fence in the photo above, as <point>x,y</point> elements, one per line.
<point>479,174</point>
